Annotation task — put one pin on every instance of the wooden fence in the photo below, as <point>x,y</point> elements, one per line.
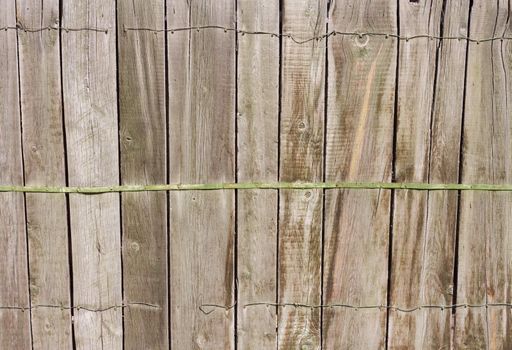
<point>142,92</point>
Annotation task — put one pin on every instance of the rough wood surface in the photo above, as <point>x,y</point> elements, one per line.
<point>202,149</point>
<point>90,99</point>
<point>361,92</point>
<point>410,265</point>
<point>258,118</point>
<point>301,154</point>
<point>485,241</point>
<point>442,85</point>
<point>143,161</point>
<point>14,324</point>
<point>430,95</point>
<point>43,142</point>
<point>441,224</point>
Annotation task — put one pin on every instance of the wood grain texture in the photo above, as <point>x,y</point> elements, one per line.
<point>441,229</point>
<point>361,92</point>
<point>485,240</point>
<point>143,161</point>
<point>416,76</point>
<point>14,325</point>
<point>202,149</point>
<point>430,95</point>
<point>258,119</point>
<point>43,142</point>
<point>90,99</point>
<point>301,154</point>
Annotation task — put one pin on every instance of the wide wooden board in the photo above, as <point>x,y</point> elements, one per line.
<point>202,149</point>
<point>90,110</point>
<point>143,161</point>
<point>44,163</point>
<point>258,128</point>
<point>301,159</point>
<point>360,104</point>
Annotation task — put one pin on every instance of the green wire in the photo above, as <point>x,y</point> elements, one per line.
<point>259,186</point>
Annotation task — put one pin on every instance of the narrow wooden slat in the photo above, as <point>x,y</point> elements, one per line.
<point>441,224</point>
<point>43,140</point>
<point>258,111</point>
<point>14,324</point>
<point>143,161</point>
<point>90,99</point>
<point>361,91</point>
<point>485,241</point>
<point>430,95</point>
<point>410,265</point>
<point>202,149</point>
<point>301,154</point>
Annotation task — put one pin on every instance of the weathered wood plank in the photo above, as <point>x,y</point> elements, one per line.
<point>430,95</point>
<point>485,242</point>
<point>143,161</point>
<point>14,324</point>
<point>416,75</point>
<point>361,92</point>
<point>202,149</point>
<point>300,212</point>
<point>43,140</point>
<point>90,99</point>
<point>444,161</point>
<point>258,111</point>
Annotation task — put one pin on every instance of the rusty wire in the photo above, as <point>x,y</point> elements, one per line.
<point>77,307</point>
<point>294,38</point>
<point>209,308</point>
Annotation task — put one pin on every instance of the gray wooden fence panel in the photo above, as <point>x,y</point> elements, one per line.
<point>202,92</point>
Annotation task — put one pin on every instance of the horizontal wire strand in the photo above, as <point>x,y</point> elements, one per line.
<point>290,36</point>
<point>19,27</point>
<point>209,308</point>
<point>77,307</point>
<point>260,186</point>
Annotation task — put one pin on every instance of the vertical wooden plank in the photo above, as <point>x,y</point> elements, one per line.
<point>485,242</point>
<point>361,92</point>
<point>300,212</point>
<point>90,100</point>
<point>258,111</point>
<point>445,143</point>
<point>43,140</point>
<point>411,273</point>
<point>143,161</point>
<point>15,324</point>
<point>202,149</point>
<point>430,95</point>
